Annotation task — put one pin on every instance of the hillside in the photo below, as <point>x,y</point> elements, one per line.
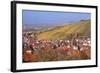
<point>62,32</point>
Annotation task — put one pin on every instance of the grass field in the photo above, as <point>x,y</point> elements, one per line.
<point>62,32</point>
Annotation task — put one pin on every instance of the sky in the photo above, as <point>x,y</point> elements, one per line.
<point>49,18</point>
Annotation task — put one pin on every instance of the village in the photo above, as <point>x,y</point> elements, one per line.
<point>40,50</point>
